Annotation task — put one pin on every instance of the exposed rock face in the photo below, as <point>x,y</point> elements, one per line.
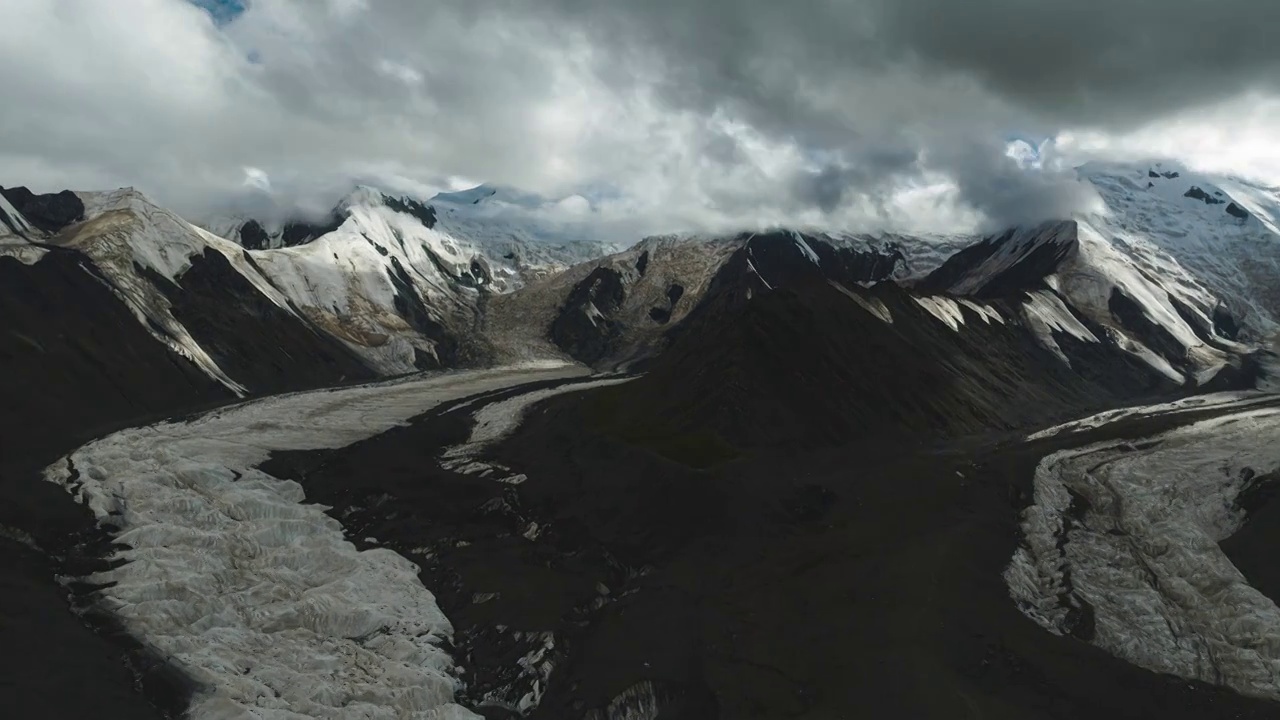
<point>1105,296</point>
<point>265,347</point>
<point>584,327</point>
<point>253,236</point>
<point>301,232</point>
<point>409,304</point>
<point>618,302</point>
<point>1196,193</point>
<point>425,213</point>
<point>51,212</point>
<point>1027,271</point>
<point>1235,210</point>
<point>860,364</point>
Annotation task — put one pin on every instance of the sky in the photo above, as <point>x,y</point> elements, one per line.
<point>668,114</point>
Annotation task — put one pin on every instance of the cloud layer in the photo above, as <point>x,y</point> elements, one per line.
<point>684,113</point>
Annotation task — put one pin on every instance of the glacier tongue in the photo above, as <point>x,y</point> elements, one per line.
<point>1122,547</point>
<point>255,594</point>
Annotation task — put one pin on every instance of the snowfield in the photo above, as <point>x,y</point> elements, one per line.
<point>1128,532</point>
<point>255,594</point>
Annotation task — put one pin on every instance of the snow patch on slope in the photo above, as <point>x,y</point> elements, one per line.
<point>1046,314</point>
<point>948,310</point>
<point>255,594</point>
<point>944,309</point>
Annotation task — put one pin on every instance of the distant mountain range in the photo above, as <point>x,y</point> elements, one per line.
<point>728,361</point>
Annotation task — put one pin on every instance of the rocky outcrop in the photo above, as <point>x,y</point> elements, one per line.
<point>608,313</point>
<point>584,327</point>
<point>1196,193</point>
<point>301,232</point>
<point>253,236</point>
<point>49,212</point>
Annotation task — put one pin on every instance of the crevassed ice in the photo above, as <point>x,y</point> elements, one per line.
<point>1143,552</point>
<point>255,594</point>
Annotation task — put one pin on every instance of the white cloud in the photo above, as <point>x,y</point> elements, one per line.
<point>704,114</point>
<point>257,179</point>
<point>403,73</point>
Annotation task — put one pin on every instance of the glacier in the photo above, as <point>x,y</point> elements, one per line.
<point>258,596</point>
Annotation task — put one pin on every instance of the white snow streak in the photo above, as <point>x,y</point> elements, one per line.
<point>943,308</point>
<point>1046,314</point>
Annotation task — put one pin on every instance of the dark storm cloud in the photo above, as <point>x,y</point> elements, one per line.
<point>1100,62</point>
<point>699,112</point>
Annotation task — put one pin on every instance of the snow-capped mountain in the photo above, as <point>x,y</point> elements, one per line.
<point>755,348</point>
<point>1192,230</point>
<point>524,235</point>
<point>1180,270</point>
<point>1182,278</point>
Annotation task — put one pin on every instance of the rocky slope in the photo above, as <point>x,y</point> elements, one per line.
<point>1169,321</point>
<point>778,366</point>
<point>622,310</point>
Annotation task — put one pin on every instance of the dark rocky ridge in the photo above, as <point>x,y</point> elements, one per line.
<point>407,205</point>
<point>1236,211</point>
<point>807,366</point>
<point>301,232</point>
<point>253,236</point>
<point>588,326</point>
<point>50,212</point>
<point>584,328</point>
<point>252,339</point>
<point>410,306</point>
<point>1042,252</point>
<point>1027,273</point>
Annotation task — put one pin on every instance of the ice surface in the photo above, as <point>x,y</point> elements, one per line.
<point>1141,549</point>
<point>1177,407</point>
<point>254,593</point>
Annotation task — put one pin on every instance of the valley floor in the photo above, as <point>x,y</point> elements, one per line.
<point>585,577</point>
<point>845,583</point>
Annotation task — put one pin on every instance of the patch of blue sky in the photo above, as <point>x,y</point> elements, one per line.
<point>222,11</point>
